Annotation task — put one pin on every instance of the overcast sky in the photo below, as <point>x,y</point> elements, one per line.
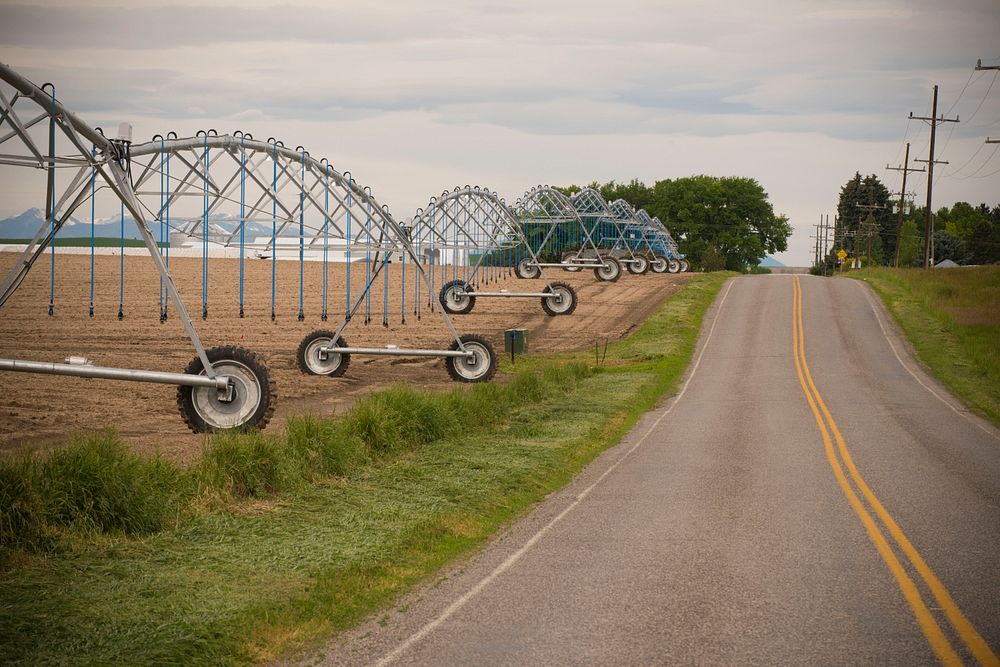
<point>415,97</point>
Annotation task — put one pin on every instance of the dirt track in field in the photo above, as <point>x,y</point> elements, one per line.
<point>42,411</point>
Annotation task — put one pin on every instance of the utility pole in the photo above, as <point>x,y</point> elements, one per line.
<point>980,66</point>
<point>928,220</point>
<point>816,245</point>
<point>826,240</point>
<point>902,198</point>
<point>870,225</point>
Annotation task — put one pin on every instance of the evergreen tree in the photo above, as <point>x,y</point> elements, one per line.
<point>865,191</point>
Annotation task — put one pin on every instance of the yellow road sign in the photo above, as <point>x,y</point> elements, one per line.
<point>841,254</point>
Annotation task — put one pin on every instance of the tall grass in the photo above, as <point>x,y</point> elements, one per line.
<point>952,319</point>
<point>97,484</point>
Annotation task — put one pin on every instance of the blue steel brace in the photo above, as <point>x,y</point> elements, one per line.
<point>164,232</point>
<point>166,215</point>
<point>93,211</point>
<point>384,242</point>
<point>475,233</point>
<point>402,276</point>
<point>302,223</point>
<point>274,225</point>
<point>350,203</point>
<point>418,248</point>
<point>368,255</point>
<point>433,258</point>
<point>454,252</point>
<point>50,197</point>
<point>243,213</point>
<point>121,266</point>
<point>326,237</point>
<point>204,233</point>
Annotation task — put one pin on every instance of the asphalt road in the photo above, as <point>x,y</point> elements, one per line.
<point>739,524</point>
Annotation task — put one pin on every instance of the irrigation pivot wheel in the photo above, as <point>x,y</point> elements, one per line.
<point>313,361</point>
<point>685,266</point>
<point>480,367</point>
<point>562,301</point>
<point>454,298</point>
<point>567,259</point>
<point>527,268</point>
<point>609,271</point>
<point>673,266</point>
<point>251,400</point>
<point>659,264</point>
<point>638,266</point>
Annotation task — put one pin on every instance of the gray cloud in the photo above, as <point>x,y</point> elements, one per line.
<point>424,95</point>
<point>149,28</point>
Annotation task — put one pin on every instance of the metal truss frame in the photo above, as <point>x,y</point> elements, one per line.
<point>544,206</point>
<point>89,155</point>
<point>472,230</point>
<point>604,218</point>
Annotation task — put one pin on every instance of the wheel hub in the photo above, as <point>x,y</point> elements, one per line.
<point>321,357</point>
<point>233,406</point>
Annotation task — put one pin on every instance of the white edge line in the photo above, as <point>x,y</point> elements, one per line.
<point>516,556</point>
<point>878,318</point>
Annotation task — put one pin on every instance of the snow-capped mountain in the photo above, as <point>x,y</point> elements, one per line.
<point>221,227</point>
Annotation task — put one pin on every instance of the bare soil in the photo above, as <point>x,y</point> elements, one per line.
<point>43,411</point>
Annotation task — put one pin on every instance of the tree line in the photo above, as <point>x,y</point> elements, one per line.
<point>718,222</point>
<point>870,227</point>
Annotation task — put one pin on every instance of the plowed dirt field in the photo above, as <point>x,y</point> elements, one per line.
<point>41,411</point>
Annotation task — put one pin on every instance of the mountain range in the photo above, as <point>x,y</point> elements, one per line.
<point>25,225</point>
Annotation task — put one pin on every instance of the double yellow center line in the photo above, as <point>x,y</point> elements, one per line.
<point>878,522</point>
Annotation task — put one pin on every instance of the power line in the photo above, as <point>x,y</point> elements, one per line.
<point>985,162</point>
<point>902,198</point>
<point>934,120</point>
<point>983,101</point>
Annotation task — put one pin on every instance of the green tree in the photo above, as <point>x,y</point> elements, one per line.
<point>949,246</point>
<point>984,241</point>
<point>961,220</point>
<point>635,192</point>
<point>731,213</point>
<point>712,259</point>
<point>855,195</point>
<point>869,241</point>
<point>910,252</point>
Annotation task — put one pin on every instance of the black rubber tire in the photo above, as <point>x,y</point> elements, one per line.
<point>638,266</point>
<point>450,303</point>
<point>685,266</point>
<point>659,264</point>
<point>313,365</point>
<point>527,269</point>
<point>483,369</point>
<point>673,266</point>
<point>551,307</point>
<point>610,272</point>
<point>255,393</point>
<point>567,258</point>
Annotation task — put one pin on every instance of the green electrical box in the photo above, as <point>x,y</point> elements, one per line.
<point>515,341</point>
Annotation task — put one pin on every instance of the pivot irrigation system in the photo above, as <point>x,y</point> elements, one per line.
<point>610,230</point>
<point>266,200</point>
<point>469,238</point>
<point>222,387</point>
<point>558,237</point>
<point>658,239</point>
<point>222,189</point>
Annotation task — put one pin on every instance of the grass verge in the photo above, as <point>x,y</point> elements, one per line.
<point>952,319</point>
<point>272,543</point>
